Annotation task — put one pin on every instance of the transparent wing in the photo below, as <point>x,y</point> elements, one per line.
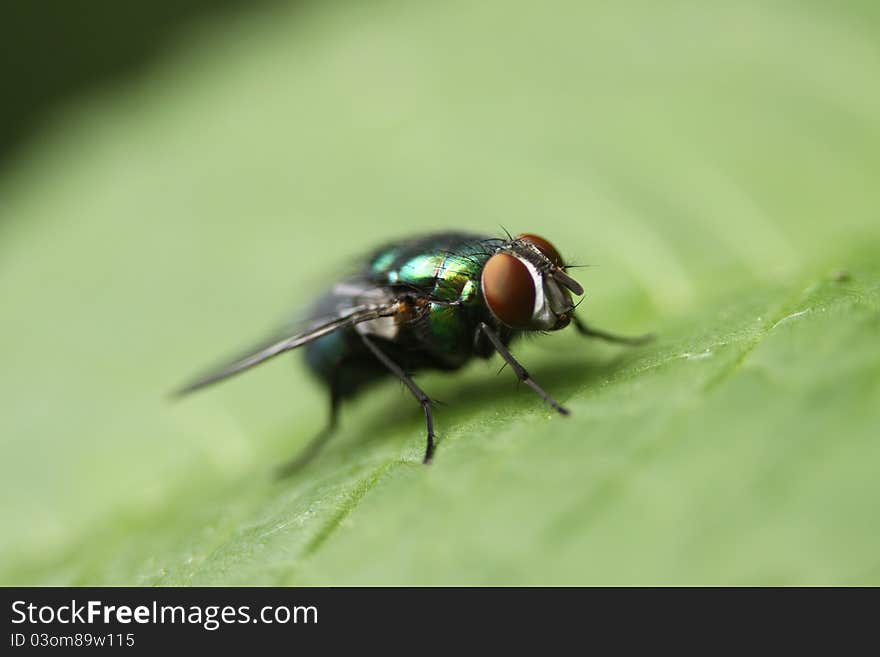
<point>350,317</point>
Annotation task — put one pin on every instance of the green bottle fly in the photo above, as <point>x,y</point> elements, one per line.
<point>433,302</point>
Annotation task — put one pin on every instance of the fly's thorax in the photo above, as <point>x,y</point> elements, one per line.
<point>443,267</point>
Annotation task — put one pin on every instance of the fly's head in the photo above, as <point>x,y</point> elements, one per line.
<point>525,285</point>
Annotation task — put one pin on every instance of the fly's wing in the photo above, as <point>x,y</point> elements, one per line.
<point>347,319</point>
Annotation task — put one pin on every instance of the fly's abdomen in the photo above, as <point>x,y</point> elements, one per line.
<point>340,358</point>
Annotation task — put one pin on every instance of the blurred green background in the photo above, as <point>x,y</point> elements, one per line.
<point>177,179</point>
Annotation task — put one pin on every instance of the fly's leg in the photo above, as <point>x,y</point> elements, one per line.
<point>417,392</point>
<point>589,332</point>
<point>518,369</point>
<point>315,444</point>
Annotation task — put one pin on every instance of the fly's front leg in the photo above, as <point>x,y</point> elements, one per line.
<point>518,369</point>
<point>417,392</point>
<point>632,341</point>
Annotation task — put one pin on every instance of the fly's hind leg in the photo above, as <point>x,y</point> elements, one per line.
<point>315,444</point>
<point>590,332</point>
<point>417,392</point>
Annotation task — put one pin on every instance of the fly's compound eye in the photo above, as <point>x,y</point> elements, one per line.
<point>543,246</point>
<point>509,290</point>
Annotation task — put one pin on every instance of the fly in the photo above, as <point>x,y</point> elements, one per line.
<point>434,302</point>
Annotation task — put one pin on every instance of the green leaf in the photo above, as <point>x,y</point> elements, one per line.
<point>715,165</point>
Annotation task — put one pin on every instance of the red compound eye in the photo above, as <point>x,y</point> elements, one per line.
<point>543,246</point>
<point>509,290</point>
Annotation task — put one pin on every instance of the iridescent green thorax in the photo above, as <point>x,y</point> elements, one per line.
<point>447,270</point>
